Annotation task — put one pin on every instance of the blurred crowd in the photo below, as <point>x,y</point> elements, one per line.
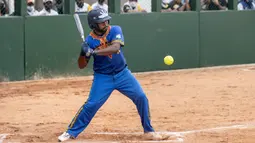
<point>175,5</point>
<point>4,10</point>
<point>246,5</point>
<point>55,7</point>
<point>214,4</point>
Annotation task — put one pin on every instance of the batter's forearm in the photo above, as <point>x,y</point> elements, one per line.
<point>112,49</point>
<point>82,62</point>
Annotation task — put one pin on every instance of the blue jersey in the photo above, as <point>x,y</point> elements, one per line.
<point>110,64</point>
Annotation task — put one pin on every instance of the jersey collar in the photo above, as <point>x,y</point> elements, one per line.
<point>95,36</point>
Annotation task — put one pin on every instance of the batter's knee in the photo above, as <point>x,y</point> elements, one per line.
<point>91,106</point>
<point>141,96</point>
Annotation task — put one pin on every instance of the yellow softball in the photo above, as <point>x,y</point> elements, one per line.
<point>168,60</point>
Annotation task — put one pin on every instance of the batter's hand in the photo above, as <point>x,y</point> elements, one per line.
<point>87,50</point>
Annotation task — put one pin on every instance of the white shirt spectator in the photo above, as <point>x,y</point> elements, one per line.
<point>86,8</point>
<point>30,8</point>
<point>44,12</point>
<point>11,6</point>
<point>132,6</point>
<point>48,4</point>
<point>32,11</point>
<point>166,1</point>
<point>241,7</point>
<point>97,5</point>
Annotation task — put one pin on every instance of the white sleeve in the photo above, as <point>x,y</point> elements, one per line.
<point>93,6</point>
<point>40,13</point>
<point>75,7</point>
<point>35,13</point>
<point>11,6</point>
<point>54,12</point>
<point>239,6</point>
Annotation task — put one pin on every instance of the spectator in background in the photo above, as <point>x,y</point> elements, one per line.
<point>31,8</point>
<point>187,4</point>
<point>214,5</point>
<point>246,5</point>
<point>81,7</point>
<point>204,4</point>
<point>165,6</point>
<point>3,8</point>
<point>100,4</point>
<point>132,6</point>
<point>175,5</point>
<point>48,9</point>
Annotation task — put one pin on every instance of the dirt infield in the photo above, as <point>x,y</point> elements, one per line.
<point>215,105</point>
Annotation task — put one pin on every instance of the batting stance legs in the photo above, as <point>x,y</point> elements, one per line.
<point>102,87</point>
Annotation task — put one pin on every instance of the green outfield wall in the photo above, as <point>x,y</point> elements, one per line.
<point>52,47</point>
<point>49,46</point>
<point>12,48</point>
<point>150,37</point>
<point>227,38</point>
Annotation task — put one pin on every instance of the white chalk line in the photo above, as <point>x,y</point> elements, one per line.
<point>2,137</point>
<point>249,69</point>
<point>251,65</point>
<point>180,135</point>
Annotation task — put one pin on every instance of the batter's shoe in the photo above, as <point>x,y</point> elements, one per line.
<point>65,136</point>
<point>152,136</point>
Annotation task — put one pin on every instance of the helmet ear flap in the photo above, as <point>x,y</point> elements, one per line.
<point>96,26</point>
<point>93,26</point>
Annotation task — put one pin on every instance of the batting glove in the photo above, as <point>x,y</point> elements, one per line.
<point>86,50</point>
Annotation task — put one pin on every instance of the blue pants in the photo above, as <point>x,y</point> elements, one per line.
<point>102,87</point>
